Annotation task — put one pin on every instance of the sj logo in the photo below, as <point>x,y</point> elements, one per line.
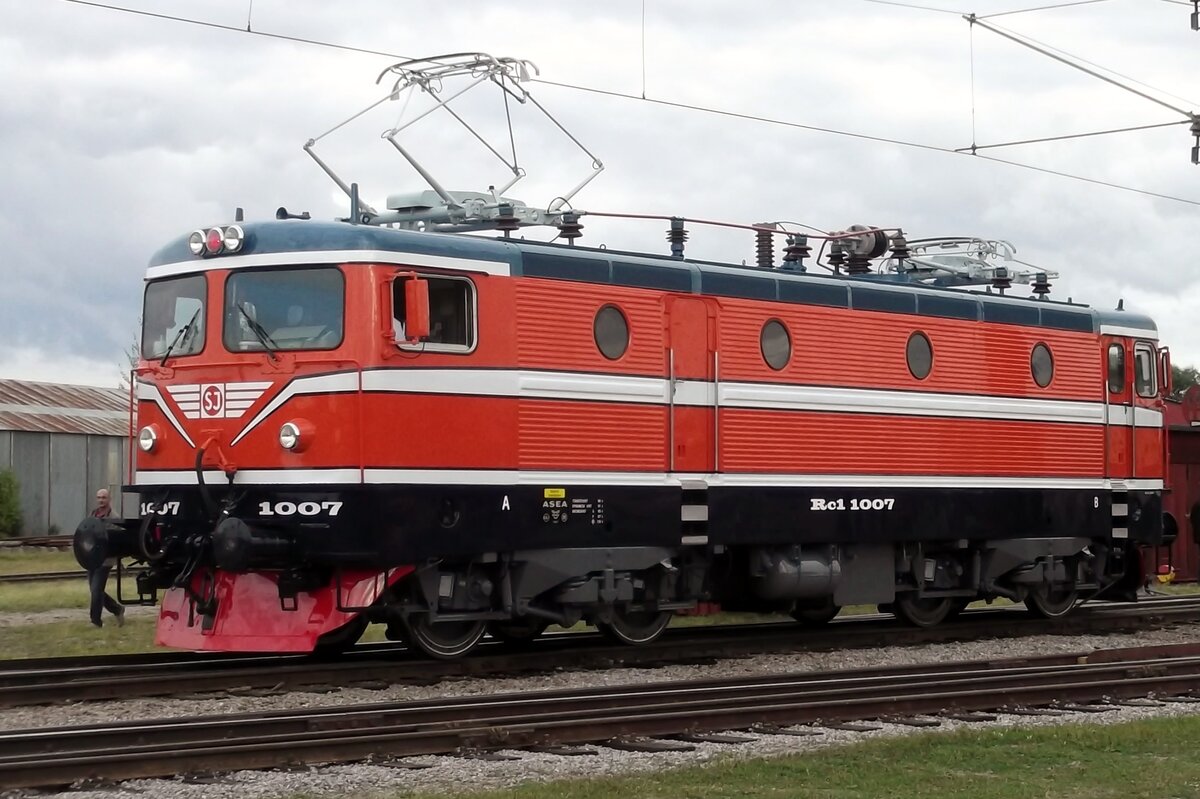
<point>212,401</point>
<point>216,400</point>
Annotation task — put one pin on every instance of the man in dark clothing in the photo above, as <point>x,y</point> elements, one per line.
<point>98,577</point>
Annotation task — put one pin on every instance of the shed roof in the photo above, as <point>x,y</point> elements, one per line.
<point>57,408</point>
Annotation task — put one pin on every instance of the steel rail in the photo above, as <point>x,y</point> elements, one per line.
<point>38,577</point>
<point>40,758</point>
<point>62,680</point>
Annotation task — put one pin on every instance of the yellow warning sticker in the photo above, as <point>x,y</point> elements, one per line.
<point>554,493</point>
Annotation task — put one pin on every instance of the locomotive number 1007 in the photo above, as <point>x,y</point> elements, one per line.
<point>879,503</point>
<point>302,508</point>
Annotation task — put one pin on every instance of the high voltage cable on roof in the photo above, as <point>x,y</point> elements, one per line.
<point>681,105</point>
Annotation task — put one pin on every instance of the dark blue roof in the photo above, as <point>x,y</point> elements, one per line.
<point>537,259</point>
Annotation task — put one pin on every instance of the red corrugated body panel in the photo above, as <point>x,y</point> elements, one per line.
<point>554,327</point>
<point>1148,453</point>
<point>590,435</point>
<point>422,430</point>
<point>824,443</point>
<point>834,346</point>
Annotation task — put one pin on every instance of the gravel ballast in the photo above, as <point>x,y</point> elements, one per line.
<point>456,774</point>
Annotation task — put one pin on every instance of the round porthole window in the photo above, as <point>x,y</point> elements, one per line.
<point>776,344</point>
<point>1041,363</point>
<point>612,332</point>
<point>920,355</point>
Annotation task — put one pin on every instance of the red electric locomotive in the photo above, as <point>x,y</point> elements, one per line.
<point>345,422</point>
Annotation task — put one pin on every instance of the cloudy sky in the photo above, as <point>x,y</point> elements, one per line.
<point>120,131</point>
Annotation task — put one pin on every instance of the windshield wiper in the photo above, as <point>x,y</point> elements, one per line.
<point>269,344</point>
<point>179,336</point>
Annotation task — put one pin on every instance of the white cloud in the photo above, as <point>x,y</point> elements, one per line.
<point>121,132</point>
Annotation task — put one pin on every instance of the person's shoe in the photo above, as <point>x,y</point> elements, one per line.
<point>97,624</point>
<point>121,616</point>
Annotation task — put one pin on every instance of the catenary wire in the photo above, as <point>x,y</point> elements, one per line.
<point>233,28</point>
<point>667,103</point>
<point>866,137</point>
<point>913,6</point>
<point>1068,136</point>
<point>1039,8</point>
<point>1015,37</point>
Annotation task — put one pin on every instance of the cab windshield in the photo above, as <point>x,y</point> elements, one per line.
<point>284,309</point>
<point>173,317</point>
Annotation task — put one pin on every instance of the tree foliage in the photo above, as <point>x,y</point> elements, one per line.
<point>10,504</point>
<point>1184,377</point>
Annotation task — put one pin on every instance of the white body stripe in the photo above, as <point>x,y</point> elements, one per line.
<point>1132,332</point>
<point>318,384</point>
<point>328,257</point>
<point>150,392</point>
<point>653,390</point>
<point>1141,417</point>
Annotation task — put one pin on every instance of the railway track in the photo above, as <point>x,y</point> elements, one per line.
<point>43,577</point>
<point>26,682</point>
<point>51,541</point>
<point>54,757</point>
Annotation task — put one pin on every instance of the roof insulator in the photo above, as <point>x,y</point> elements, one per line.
<point>569,227</point>
<point>795,252</point>
<point>837,256</point>
<point>506,220</point>
<point>677,235</point>
<point>1041,285</point>
<point>1001,279</point>
<point>764,246</point>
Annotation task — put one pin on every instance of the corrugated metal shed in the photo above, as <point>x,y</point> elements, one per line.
<point>55,408</point>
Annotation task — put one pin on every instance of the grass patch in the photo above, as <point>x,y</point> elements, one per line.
<point>74,638</point>
<point>37,560</point>
<point>1146,759</point>
<point>34,597</point>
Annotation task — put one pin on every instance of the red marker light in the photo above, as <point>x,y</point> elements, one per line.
<point>214,240</point>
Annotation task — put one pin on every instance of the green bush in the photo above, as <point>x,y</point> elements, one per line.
<point>10,504</point>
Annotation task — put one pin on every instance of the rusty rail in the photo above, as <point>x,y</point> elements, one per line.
<point>161,674</point>
<point>52,757</point>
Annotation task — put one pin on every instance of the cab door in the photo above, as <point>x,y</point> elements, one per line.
<point>1148,447</point>
<point>691,366</point>
<point>1118,407</point>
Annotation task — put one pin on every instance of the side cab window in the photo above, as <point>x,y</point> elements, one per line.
<point>1116,368</point>
<point>452,315</point>
<point>1144,363</point>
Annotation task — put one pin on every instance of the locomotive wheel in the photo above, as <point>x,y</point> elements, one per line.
<point>923,612</point>
<point>335,642</point>
<point>635,627</point>
<point>958,606</point>
<point>517,631</point>
<point>444,640</point>
<point>815,615</point>
<point>1051,603</point>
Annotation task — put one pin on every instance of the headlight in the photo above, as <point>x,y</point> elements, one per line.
<point>234,236</point>
<point>214,240</point>
<point>196,242</point>
<point>289,436</point>
<point>148,438</point>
